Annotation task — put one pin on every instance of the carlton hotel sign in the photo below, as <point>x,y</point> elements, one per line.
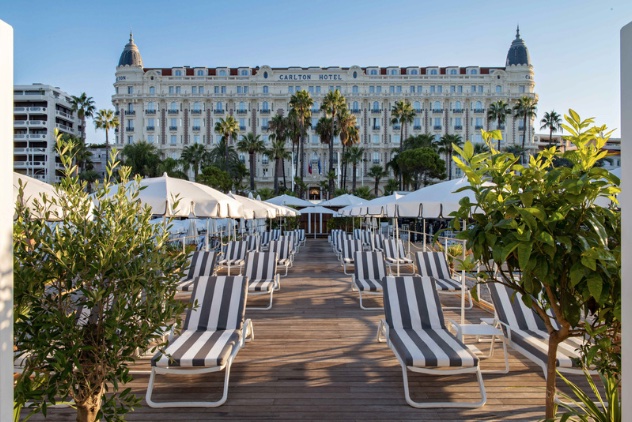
<point>310,77</point>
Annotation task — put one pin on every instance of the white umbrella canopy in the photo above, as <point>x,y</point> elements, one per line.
<point>289,200</point>
<point>34,191</point>
<point>376,207</point>
<point>432,201</point>
<point>343,201</point>
<point>254,208</point>
<point>284,211</point>
<point>317,210</point>
<point>193,199</point>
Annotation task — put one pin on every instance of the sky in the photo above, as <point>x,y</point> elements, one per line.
<point>574,45</point>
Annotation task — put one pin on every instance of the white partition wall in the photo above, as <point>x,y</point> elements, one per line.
<point>626,206</point>
<point>6,223</point>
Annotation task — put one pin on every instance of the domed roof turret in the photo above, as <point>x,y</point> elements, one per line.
<point>130,55</point>
<point>518,52</point>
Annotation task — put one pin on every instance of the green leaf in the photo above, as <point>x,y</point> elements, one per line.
<point>595,285</point>
<point>577,273</point>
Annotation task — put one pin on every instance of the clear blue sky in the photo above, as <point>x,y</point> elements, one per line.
<point>574,45</point>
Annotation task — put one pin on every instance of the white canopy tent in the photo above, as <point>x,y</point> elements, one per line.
<point>291,201</point>
<point>343,201</point>
<point>34,191</point>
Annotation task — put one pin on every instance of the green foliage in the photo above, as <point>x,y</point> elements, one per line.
<point>421,164</point>
<point>390,187</point>
<point>216,178</point>
<point>583,408</point>
<point>76,265</point>
<point>364,192</point>
<point>344,223</point>
<point>143,159</point>
<point>540,221</point>
<point>265,193</point>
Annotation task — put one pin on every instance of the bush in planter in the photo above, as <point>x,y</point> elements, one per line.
<point>110,261</point>
<point>541,221</point>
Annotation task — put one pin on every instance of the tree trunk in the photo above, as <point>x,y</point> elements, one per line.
<point>355,170</point>
<point>331,165</point>
<point>550,135</point>
<point>524,140</point>
<point>498,129</point>
<point>551,376</point>
<point>227,138</point>
<point>344,170</point>
<point>107,142</point>
<point>283,168</point>
<point>377,182</point>
<point>276,176</point>
<point>252,171</point>
<point>401,149</point>
<point>87,411</point>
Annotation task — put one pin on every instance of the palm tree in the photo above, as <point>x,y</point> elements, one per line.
<point>173,168</point>
<point>419,141</point>
<point>404,114</point>
<point>553,122</point>
<point>301,103</point>
<point>228,128</point>
<point>324,130</point>
<point>80,152</point>
<point>223,156</point>
<point>252,144</point>
<point>84,107</point>
<point>280,132</point>
<point>445,147</point>
<point>333,103</point>
<point>348,136</point>
<point>193,156</point>
<point>294,132</point>
<point>377,172</point>
<point>498,111</point>
<point>106,119</point>
<point>355,156</point>
<point>279,154</point>
<point>526,108</point>
<point>143,158</point>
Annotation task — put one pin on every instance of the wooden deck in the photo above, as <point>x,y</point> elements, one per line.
<point>315,357</point>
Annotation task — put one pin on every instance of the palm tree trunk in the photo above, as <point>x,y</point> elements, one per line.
<point>331,154</point>
<point>377,182</point>
<point>276,176</point>
<point>354,176</point>
<point>344,170</point>
<point>524,139</point>
<point>107,142</point>
<point>550,135</point>
<point>252,171</point>
<point>498,129</point>
<point>302,159</point>
<point>401,149</point>
<point>227,138</point>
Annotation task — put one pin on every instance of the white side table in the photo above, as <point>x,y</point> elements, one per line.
<point>485,330</point>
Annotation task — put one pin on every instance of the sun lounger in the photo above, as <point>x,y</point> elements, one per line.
<point>368,272</point>
<point>435,265</point>
<point>261,268</point>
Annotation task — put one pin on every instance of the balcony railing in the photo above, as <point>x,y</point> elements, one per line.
<point>437,110</point>
<point>416,127</point>
<point>150,111</point>
<point>218,111</point>
<point>242,111</point>
<point>376,110</point>
<point>130,112</point>
<point>356,111</point>
<point>62,114</point>
<point>458,127</point>
<point>129,129</point>
<point>437,127</point>
<point>195,128</point>
<point>151,128</point>
<point>376,127</point>
<point>173,111</point>
<point>457,110</point>
<point>264,128</point>
<point>315,110</point>
<point>196,111</point>
<point>63,127</point>
<point>477,127</point>
<point>397,127</point>
<point>479,110</point>
<point>29,109</point>
<point>417,110</point>
<point>242,127</point>
<point>173,127</point>
<point>265,111</point>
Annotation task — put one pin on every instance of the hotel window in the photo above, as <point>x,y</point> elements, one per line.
<point>242,124</point>
<point>216,90</point>
<point>152,90</point>
<point>219,106</point>
<point>316,105</point>
<point>373,72</point>
<point>378,89</point>
<point>459,89</point>
<point>242,158</point>
<point>239,90</point>
<point>196,123</point>
<point>521,89</point>
<point>376,158</point>
<point>354,89</point>
<point>457,105</point>
<point>265,122</point>
<point>178,89</point>
<point>433,71</point>
<point>178,73</point>
<point>439,89</point>
<point>130,89</point>
<point>173,139</point>
<point>290,90</point>
<point>130,108</point>
<point>244,72</point>
<point>391,89</point>
<point>265,89</point>
<point>265,106</point>
<point>432,89</point>
<point>419,89</point>
<point>171,90</point>
<point>376,106</point>
<point>414,72</point>
<point>452,89</point>
<point>265,139</point>
<point>355,106</point>
<point>376,139</point>
<point>194,90</point>
<point>417,106</point>
<point>310,89</point>
<point>331,88</point>
<point>396,138</point>
<point>196,106</point>
<point>151,123</point>
<point>412,89</point>
<point>377,123</point>
<point>151,106</point>
<point>478,105</point>
<point>130,125</point>
<point>417,123</point>
<point>478,123</point>
<point>458,123</point>
<point>173,107</point>
<point>200,89</point>
<point>453,72</point>
<point>200,73</point>
<point>393,72</point>
<point>473,72</point>
<point>372,89</point>
<point>315,140</point>
<point>436,106</point>
<point>437,122</point>
<point>150,139</point>
<point>314,122</point>
<point>242,106</point>
<point>223,89</point>
<point>473,89</point>
<point>318,90</point>
<point>398,89</point>
<point>222,72</point>
<point>173,124</point>
<point>499,89</point>
<point>297,88</point>
<point>196,139</point>
<point>130,140</point>
<point>480,89</point>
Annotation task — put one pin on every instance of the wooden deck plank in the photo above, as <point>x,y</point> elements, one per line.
<point>315,357</point>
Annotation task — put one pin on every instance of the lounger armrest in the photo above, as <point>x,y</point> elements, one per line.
<point>457,328</point>
<point>249,332</point>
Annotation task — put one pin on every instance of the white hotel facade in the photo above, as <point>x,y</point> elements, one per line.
<point>179,106</point>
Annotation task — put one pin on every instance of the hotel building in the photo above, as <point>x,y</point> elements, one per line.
<point>179,106</point>
<point>39,110</point>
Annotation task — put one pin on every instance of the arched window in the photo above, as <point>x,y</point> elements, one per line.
<point>244,72</point>
<point>178,73</point>
<point>453,72</point>
<point>151,106</point>
<point>265,89</point>
<point>433,71</point>
<point>417,106</point>
<point>355,106</point>
<point>376,105</point>
<point>354,89</point>
<point>265,106</point>
<point>473,72</point>
<point>437,105</point>
<point>457,105</point>
<point>219,106</point>
<point>173,106</point>
<point>393,72</point>
<point>200,72</point>
<point>499,89</point>
<point>316,105</point>
<point>242,106</point>
<point>373,72</point>
<point>414,72</point>
<point>222,72</point>
<point>196,106</point>
<point>478,105</point>
<point>152,90</point>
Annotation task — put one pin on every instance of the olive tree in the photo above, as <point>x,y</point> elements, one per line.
<point>90,292</point>
<point>540,226</point>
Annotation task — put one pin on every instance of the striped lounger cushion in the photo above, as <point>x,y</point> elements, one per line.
<point>199,348</point>
<point>369,271</point>
<point>417,329</point>
<point>202,264</point>
<point>260,271</point>
<point>434,265</point>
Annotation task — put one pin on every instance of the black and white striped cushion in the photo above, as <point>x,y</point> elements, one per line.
<point>282,249</point>
<point>202,264</point>
<point>235,253</point>
<point>394,252</point>
<point>377,242</point>
<point>265,238</point>
<point>528,330</point>
<point>349,248</point>
<point>252,243</point>
<point>213,328</point>
<point>275,234</point>
<point>434,265</point>
<point>357,234</point>
<point>369,271</point>
<point>260,271</point>
<point>416,326</point>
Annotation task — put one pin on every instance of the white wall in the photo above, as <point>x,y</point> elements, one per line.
<point>6,223</point>
<point>626,206</point>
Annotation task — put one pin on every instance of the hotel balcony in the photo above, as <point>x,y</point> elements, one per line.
<point>437,127</point>
<point>376,110</point>
<point>63,127</point>
<point>196,111</point>
<point>195,128</point>
<point>479,110</point>
<point>32,110</point>
<point>129,129</point>
<point>130,112</point>
<point>241,111</point>
<point>265,111</point>
<point>242,127</point>
<point>173,111</point>
<point>172,128</point>
<point>457,110</point>
<point>478,127</point>
<point>356,111</point>
<point>417,110</point>
<point>459,127</point>
<point>218,111</point>
<point>265,128</point>
<point>397,127</point>
<point>416,127</point>
<point>151,128</point>
<point>150,111</point>
<point>376,127</point>
<point>437,110</point>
